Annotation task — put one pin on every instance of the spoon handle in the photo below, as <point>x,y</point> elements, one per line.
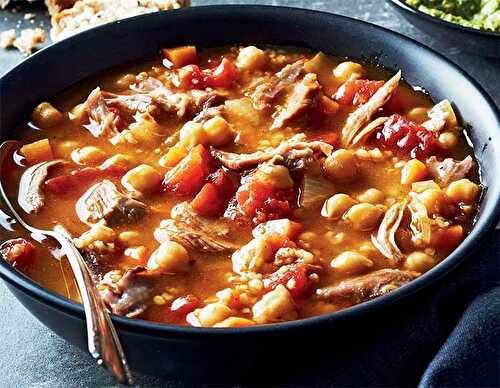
<point>103,342</point>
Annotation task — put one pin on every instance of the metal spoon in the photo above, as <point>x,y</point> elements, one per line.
<point>103,342</point>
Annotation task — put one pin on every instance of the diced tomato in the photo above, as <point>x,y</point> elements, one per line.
<point>191,77</point>
<point>214,196</point>
<point>184,305</point>
<point>222,76</point>
<point>261,201</point>
<point>188,177</point>
<point>119,121</point>
<point>18,252</point>
<point>357,92</point>
<point>294,278</point>
<point>412,139</point>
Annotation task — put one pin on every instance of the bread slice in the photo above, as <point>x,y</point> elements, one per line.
<point>86,14</point>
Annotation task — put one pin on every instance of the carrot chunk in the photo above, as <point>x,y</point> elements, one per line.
<point>189,175</point>
<point>214,196</point>
<point>181,56</point>
<point>39,151</point>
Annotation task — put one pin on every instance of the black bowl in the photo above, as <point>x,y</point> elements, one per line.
<point>207,352</point>
<point>478,42</point>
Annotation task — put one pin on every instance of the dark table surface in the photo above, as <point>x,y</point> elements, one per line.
<point>31,355</point>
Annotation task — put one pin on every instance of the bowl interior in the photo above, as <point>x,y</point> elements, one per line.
<point>55,68</point>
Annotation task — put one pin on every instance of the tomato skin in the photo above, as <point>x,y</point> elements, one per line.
<point>412,139</point>
<point>191,77</point>
<point>294,278</point>
<point>18,252</point>
<point>357,92</point>
<point>188,176</point>
<point>222,76</point>
<point>213,197</point>
<point>184,305</point>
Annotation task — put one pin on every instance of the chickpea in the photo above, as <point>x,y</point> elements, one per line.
<point>169,257</point>
<point>433,200</point>
<point>341,165</point>
<point>192,134</point>
<point>79,114</point>
<point>174,155</point>
<point>413,171</point>
<point>420,261</point>
<point>136,253</point>
<point>349,262</point>
<point>218,132</point>
<point>273,305</point>
<point>130,238</point>
<point>277,175</point>
<point>98,232</point>
<point>335,206</point>
<point>251,58</point>
<point>235,322</point>
<point>117,161</point>
<point>348,70</point>
<point>447,139</point>
<point>209,315</point>
<point>142,178</point>
<point>372,196</point>
<point>125,81</point>
<point>283,226</point>
<point>88,156</point>
<point>252,256</point>
<point>463,191</point>
<point>420,187</point>
<point>46,116</point>
<point>418,115</point>
<point>364,216</point>
<point>226,295</point>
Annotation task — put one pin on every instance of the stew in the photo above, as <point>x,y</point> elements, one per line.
<point>238,186</point>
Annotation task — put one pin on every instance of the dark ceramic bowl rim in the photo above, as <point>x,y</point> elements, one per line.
<point>66,306</point>
<point>408,8</point>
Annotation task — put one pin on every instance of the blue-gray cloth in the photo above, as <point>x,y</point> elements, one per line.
<point>447,335</point>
